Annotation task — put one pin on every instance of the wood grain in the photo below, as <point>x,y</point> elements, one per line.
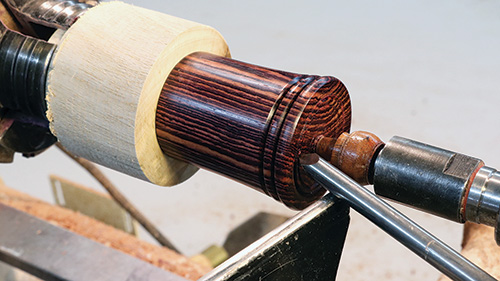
<point>250,123</point>
<point>105,79</point>
<point>354,154</point>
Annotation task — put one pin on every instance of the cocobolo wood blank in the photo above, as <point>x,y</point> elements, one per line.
<point>250,123</point>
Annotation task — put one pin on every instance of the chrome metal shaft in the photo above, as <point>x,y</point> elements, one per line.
<point>407,232</point>
<point>483,200</point>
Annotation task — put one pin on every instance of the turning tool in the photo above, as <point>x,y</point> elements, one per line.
<point>415,238</point>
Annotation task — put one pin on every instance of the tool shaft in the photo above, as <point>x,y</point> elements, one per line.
<point>407,232</point>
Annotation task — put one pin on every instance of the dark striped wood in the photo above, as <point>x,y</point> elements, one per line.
<point>250,123</point>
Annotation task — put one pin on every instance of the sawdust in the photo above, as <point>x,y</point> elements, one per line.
<point>479,246</point>
<point>104,234</point>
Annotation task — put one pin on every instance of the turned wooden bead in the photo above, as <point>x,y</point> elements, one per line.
<point>352,153</point>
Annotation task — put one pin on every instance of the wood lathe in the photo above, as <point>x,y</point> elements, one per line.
<point>157,97</point>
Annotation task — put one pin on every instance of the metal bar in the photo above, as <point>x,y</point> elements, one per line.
<point>306,247</point>
<point>407,232</point>
<point>53,253</point>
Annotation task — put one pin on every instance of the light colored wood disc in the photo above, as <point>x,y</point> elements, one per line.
<point>105,81</point>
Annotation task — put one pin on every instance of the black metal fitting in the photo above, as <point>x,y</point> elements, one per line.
<point>24,133</point>
<point>425,177</point>
<point>24,63</point>
<point>23,72</point>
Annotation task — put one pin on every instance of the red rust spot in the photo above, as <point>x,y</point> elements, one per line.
<point>467,190</point>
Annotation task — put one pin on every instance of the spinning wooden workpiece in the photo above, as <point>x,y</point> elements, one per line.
<point>247,122</point>
<point>250,123</point>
